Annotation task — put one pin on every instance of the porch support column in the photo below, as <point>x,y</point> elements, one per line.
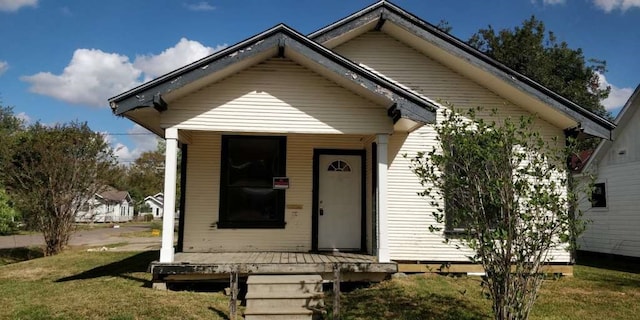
<point>383,236</point>
<point>170,174</point>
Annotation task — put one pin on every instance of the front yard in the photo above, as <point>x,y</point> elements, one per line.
<point>115,285</point>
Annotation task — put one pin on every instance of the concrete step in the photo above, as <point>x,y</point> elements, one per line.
<point>282,297</point>
<point>282,314</point>
<point>289,284</point>
<point>272,288</point>
<point>282,301</point>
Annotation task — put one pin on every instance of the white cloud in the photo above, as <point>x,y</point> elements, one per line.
<point>617,97</point>
<point>611,5</point>
<point>200,6</point>
<point>92,76</point>
<point>24,117</point>
<point>142,140</point>
<point>15,5</point>
<point>184,52</point>
<point>4,66</point>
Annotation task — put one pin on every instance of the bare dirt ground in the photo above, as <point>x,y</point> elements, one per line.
<point>97,237</point>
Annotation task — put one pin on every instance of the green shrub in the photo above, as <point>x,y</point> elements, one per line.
<point>147,217</point>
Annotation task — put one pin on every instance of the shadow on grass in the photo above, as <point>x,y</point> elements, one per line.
<point>136,263</point>
<point>392,301</point>
<point>610,262</point>
<point>13,255</point>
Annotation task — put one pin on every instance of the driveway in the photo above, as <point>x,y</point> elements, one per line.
<point>97,237</point>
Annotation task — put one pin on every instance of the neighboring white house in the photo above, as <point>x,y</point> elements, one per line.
<point>614,211</point>
<point>155,204</point>
<point>295,143</point>
<point>111,205</point>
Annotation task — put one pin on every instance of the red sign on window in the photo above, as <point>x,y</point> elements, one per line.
<point>280,182</point>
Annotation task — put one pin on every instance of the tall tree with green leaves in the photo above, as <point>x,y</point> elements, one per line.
<point>145,176</point>
<point>531,50</point>
<point>10,127</point>
<point>51,174</point>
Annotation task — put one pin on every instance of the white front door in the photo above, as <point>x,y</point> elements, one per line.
<point>339,202</point>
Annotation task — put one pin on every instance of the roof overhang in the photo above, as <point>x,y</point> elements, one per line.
<point>466,60</point>
<point>279,41</point>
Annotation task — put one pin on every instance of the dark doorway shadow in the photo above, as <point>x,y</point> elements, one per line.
<point>136,263</point>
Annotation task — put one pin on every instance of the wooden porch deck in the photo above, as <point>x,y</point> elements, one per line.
<point>213,265</point>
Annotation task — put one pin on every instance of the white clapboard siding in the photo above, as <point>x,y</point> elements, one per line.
<point>614,229</point>
<point>203,188</point>
<point>409,214</point>
<point>625,147</point>
<point>277,96</point>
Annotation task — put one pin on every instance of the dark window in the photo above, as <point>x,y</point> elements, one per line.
<point>599,196</point>
<point>247,197</point>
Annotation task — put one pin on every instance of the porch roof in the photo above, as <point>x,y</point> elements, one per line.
<point>279,41</point>
<point>466,60</point>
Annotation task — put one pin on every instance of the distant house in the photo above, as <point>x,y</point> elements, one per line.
<point>155,204</point>
<point>613,210</point>
<point>110,205</point>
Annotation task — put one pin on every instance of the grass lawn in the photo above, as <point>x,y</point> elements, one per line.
<point>115,285</point>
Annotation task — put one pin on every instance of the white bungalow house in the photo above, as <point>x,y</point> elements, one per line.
<point>155,204</point>
<point>110,205</point>
<point>294,143</point>
<point>614,210</point>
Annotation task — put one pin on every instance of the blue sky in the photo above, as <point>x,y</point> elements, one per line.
<point>60,60</point>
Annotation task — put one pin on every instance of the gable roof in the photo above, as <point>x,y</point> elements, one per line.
<point>376,16</point>
<point>113,194</point>
<point>280,41</point>
<point>158,198</point>
<point>622,120</point>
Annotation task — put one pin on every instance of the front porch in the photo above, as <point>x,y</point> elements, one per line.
<point>213,266</point>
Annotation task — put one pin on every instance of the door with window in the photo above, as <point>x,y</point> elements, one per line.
<point>339,202</point>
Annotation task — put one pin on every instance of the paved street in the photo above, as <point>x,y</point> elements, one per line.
<point>92,238</point>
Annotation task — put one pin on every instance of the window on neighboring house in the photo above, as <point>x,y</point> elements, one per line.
<point>599,196</point>
<point>247,197</point>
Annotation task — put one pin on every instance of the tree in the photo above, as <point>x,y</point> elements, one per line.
<point>10,126</point>
<point>537,54</point>
<point>500,190</point>
<point>8,215</point>
<point>52,172</point>
<point>146,175</point>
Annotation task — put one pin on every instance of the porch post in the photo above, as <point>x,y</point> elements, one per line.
<point>170,174</point>
<point>383,236</point>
